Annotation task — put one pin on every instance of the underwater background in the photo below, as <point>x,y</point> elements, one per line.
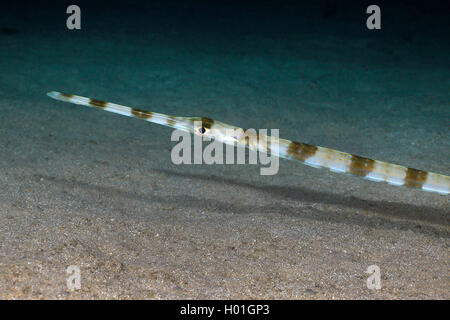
<point>93,189</point>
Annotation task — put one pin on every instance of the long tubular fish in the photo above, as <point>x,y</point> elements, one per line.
<point>311,155</point>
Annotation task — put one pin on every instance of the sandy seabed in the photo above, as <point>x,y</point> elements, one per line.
<point>88,188</point>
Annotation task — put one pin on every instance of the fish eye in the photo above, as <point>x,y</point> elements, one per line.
<point>202,130</point>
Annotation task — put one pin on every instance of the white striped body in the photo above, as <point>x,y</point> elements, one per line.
<point>311,155</point>
<point>373,170</point>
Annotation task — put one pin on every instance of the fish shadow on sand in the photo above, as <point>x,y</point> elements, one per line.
<point>384,209</point>
<point>366,213</point>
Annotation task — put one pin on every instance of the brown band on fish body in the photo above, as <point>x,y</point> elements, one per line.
<point>66,95</point>
<point>264,141</point>
<point>415,178</point>
<point>207,123</point>
<point>301,151</point>
<point>141,113</point>
<point>98,103</point>
<point>361,166</point>
<point>250,138</point>
<point>171,121</point>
